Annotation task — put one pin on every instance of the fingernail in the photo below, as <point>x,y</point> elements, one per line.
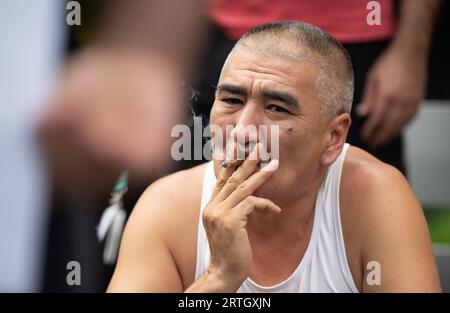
<point>272,166</point>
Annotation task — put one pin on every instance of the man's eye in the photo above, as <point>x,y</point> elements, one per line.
<point>232,101</point>
<point>276,108</point>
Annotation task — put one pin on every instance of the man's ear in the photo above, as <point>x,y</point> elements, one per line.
<point>335,136</point>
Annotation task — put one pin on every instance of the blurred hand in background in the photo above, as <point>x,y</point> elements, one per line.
<point>112,110</point>
<point>396,83</point>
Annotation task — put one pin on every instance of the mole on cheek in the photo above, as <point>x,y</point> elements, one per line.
<point>289,129</point>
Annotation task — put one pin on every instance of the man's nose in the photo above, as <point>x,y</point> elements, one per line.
<point>248,121</point>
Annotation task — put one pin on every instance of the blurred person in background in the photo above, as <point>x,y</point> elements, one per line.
<point>389,52</point>
<point>111,109</point>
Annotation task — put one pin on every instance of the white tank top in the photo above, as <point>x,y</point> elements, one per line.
<point>324,266</point>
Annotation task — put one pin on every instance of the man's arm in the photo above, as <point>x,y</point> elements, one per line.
<point>146,258</point>
<point>415,25</point>
<point>120,92</point>
<point>396,83</point>
<point>145,263</point>
<point>396,237</point>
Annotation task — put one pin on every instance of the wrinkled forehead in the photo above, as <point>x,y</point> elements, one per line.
<point>289,65</point>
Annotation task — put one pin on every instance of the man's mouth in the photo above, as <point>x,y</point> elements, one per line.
<point>241,151</point>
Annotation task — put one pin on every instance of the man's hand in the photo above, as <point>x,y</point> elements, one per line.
<point>112,110</point>
<point>394,88</point>
<point>396,83</point>
<point>225,219</point>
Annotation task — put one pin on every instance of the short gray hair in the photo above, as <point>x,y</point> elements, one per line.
<point>335,83</point>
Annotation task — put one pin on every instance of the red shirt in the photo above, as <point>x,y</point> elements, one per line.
<point>346,20</point>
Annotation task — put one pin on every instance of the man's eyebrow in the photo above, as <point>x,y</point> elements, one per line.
<point>285,97</point>
<point>230,88</point>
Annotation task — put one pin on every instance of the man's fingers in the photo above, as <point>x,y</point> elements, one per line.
<point>225,171</point>
<point>222,179</point>
<point>374,119</point>
<point>390,127</point>
<point>245,170</point>
<point>368,98</point>
<point>250,185</point>
<point>372,107</point>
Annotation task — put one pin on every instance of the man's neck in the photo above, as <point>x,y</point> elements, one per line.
<point>294,220</point>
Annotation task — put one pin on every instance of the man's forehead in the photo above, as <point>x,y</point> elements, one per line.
<point>243,64</point>
<point>279,48</point>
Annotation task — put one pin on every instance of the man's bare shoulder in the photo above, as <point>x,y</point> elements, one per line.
<point>383,221</point>
<point>168,206</point>
<point>158,245</point>
<point>366,179</point>
<point>374,191</point>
